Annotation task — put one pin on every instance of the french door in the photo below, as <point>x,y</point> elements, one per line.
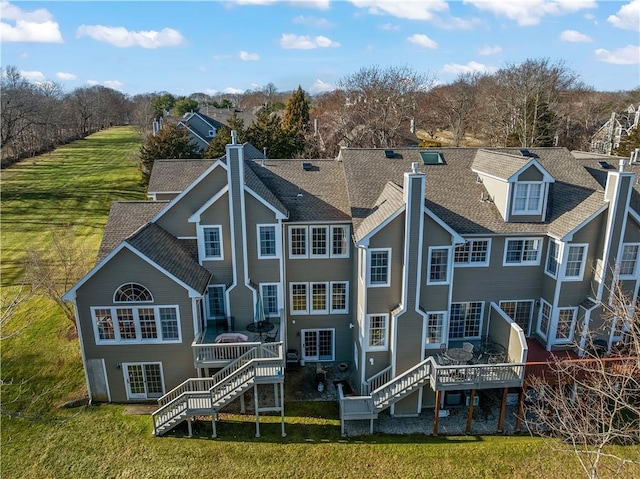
<point>143,380</point>
<point>318,344</point>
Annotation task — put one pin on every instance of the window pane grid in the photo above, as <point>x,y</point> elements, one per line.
<point>267,241</point>
<point>318,297</point>
<point>298,241</point>
<point>519,311</point>
<point>147,319</point>
<point>104,322</point>
<point>528,198</point>
<point>379,267</point>
<point>574,261</point>
<point>169,323</point>
<point>216,302</point>
<point>270,299</point>
<point>126,323</point>
<point>339,297</point>
<point>545,319</point>
<point>377,331</point>
<point>153,379</point>
<point>339,240</point>
<point>434,328</point>
<point>553,257</point>
<point>299,297</point>
<point>319,241</point>
<point>438,267</point>
<point>565,323</point>
<point>132,292</point>
<point>465,320</point>
<point>522,251</point>
<point>212,248</point>
<point>629,259</point>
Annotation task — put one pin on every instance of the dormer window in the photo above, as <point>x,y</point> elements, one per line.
<point>528,198</point>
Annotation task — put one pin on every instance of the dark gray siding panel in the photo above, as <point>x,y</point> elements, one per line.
<point>383,300</point>
<point>218,214</point>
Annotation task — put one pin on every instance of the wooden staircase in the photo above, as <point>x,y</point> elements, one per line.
<point>206,396</point>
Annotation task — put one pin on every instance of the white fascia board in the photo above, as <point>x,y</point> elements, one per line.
<point>569,236</point>
<point>546,177</point>
<point>364,241</point>
<point>195,218</point>
<point>188,189</point>
<point>634,214</point>
<point>482,173</point>
<point>278,213</point>
<point>203,119</point>
<point>456,238</point>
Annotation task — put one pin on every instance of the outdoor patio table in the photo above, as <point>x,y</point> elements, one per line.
<point>260,327</point>
<point>459,355</point>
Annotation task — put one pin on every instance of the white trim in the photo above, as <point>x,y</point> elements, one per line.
<point>543,334</point>
<point>317,331</point>
<point>279,214</point>
<point>535,262</point>
<point>447,279</point>
<point>184,192</point>
<point>456,238</point>
<point>443,337</point>
<point>201,243</point>
<point>532,302</point>
<point>560,245</point>
<point>277,239</point>
<point>469,263</point>
<point>326,297</point>
<point>368,271</point>
<point>136,322</point>
<point>385,346</point>
<point>569,236</point>
<point>636,269</point>
<point>71,294</point>
<point>310,241</point>
<point>290,229</point>
<point>82,351</point>
<point>298,312</point>
<point>364,241</point>
<point>346,298</point>
<point>106,381</point>
<point>526,211</point>
<point>565,260</point>
<point>208,303</point>
<point>113,298</point>
<point>347,236</point>
<point>195,217</point>
<point>556,313</point>
<point>480,324</point>
<point>546,176</point>
<point>278,299</point>
<point>193,132</point>
<point>125,371</point>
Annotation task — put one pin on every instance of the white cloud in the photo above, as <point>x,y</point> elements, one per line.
<point>65,76</point>
<point>291,41</point>
<point>575,37</point>
<point>471,67</point>
<point>115,84</point>
<point>233,91</point>
<point>628,17</point>
<point>319,4</point>
<point>313,21</point>
<point>211,91</point>
<point>123,38</point>
<point>532,11</point>
<point>629,55</point>
<point>321,87</point>
<point>457,23</point>
<point>33,76</point>
<point>490,50</point>
<point>93,82</point>
<point>422,41</point>
<point>389,27</point>
<point>248,57</point>
<point>36,26</point>
<point>413,10</point>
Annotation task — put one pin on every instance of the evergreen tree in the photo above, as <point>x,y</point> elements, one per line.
<point>296,114</point>
<point>184,105</point>
<point>170,142</point>
<point>629,143</point>
<point>218,146</point>
<point>266,131</point>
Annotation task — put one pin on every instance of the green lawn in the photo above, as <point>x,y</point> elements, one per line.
<point>41,368</point>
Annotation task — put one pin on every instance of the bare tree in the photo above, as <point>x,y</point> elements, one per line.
<point>592,405</point>
<point>11,300</point>
<point>57,267</point>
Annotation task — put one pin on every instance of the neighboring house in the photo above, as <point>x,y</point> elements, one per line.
<point>202,129</point>
<point>380,258</point>
<point>618,127</point>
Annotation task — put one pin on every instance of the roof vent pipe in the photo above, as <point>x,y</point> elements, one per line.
<point>414,167</point>
<point>621,164</point>
<point>234,137</point>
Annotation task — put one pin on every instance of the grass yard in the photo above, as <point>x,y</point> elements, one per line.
<point>42,368</point>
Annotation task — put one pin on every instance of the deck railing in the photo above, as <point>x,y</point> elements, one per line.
<point>565,370</point>
<point>477,376</point>
<point>377,380</point>
<point>215,354</point>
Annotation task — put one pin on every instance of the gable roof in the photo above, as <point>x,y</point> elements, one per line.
<point>125,218</point>
<point>389,203</point>
<point>504,166</point>
<point>315,194</point>
<point>174,175</point>
<point>453,194</point>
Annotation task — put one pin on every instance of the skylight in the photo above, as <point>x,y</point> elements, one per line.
<point>431,158</point>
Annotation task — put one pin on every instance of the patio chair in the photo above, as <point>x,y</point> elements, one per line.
<point>467,347</point>
<point>443,348</point>
<point>271,337</point>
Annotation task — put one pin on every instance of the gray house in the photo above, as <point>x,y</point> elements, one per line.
<point>429,271</point>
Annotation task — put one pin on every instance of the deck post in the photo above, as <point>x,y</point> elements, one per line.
<point>255,406</point>
<point>213,424</point>
<point>284,434</point>
<point>275,394</point>
<point>523,392</point>
<point>470,411</point>
<point>503,408</point>
<point>243,408</point>
<point>436,415</point>
<point>189,427</point>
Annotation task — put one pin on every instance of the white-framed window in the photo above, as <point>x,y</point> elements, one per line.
<point>339,297</point>
<point>520,312</point>
<point>553,259</point>
<point>544,319</point>
<point>566,323</point>
<point>522,251</point>
<point>377,330</point>
<point>268,242</point>
<point>270,300</point>
<point>132,292</point>
<point>340,241</point>
<point>438,268</point>
<point>298,242</point>
<point>435,325</point>
<point>527,199</point>
<point>211,133</point>
<point>629,260</point>
<point>576,259</point>
<point>465,320</point>
<point>473,253</point>
<point>143,380</point>
<point>379,260</point>
<point>319,241</point>
<point>299,300</point>
<point>136,324</point>
<point>318,344</point>
<point>210,242</point>
<point>215,302</point>
<point>319,303</point>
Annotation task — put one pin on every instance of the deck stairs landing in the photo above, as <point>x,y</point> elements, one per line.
<point>206,396</point>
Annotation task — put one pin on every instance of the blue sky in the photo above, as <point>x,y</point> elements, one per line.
<point>232,46</point>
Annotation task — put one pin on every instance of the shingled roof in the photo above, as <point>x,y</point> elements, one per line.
<point>317,193</point>
<point>173,176</point>
<point>170,254</point>
<point>453,193</point>
<point>125,218</point>
<point>389,202</point>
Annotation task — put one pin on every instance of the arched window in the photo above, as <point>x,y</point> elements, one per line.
<point>132,292</point>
